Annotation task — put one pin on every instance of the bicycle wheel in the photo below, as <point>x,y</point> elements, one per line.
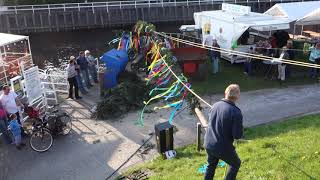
<point>41,140</point>
<point>66,124</point>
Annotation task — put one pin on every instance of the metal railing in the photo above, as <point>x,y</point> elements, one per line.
<point>125,4</point>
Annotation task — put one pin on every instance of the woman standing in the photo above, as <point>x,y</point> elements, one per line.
<point>72,73</point>
<point>4,125</point>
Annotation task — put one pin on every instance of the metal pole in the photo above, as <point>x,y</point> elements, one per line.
<point>198,136</point>
<point>301,30</point>
<point>30,51</point>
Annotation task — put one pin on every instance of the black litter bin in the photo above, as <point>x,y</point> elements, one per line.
<point>164,137</point>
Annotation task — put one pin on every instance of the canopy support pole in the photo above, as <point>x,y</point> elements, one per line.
<point>4,50</point>
<point>294,30</point>
<point>30,50</point>
<point>301,30</point>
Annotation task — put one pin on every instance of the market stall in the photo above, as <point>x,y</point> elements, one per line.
<point>15,56</point>
<point>307,18</point>
<point>229,24</point>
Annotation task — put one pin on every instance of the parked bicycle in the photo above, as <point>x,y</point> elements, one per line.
<point>52,123</point>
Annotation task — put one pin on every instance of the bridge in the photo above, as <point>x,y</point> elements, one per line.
<point>71,16</point>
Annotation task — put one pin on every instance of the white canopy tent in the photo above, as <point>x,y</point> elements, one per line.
<point>303,13</point>
<point>15,55</point>
<point>227,26</point>
<point>6,39</point>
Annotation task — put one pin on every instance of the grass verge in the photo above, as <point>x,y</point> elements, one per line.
<point>233,73</point>
<point>283,150</point>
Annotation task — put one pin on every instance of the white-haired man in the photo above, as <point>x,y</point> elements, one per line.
<point>92,66</point>
<point>224,126</point>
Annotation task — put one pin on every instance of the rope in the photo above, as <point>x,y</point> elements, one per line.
<point>179,34</point>
<point>265,58</point>
<point>190,90</point>
<point>260,57</point>
<point>126,161</point>
<point>180,81</point>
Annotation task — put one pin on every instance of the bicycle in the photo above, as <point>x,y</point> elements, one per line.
<point>44,129</point>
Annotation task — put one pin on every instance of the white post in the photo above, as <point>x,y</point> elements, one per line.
<point>301,30</point>
<point>30,50</point>
<point>55,93</point>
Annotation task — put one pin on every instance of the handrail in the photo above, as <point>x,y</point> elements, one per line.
<point>122,4</point>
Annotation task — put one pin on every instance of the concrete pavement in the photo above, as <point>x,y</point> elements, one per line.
<point>94,149</point>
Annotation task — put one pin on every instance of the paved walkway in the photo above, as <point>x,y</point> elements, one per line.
<point>95,148</point>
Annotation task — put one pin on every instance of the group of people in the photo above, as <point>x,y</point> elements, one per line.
<point>270,48</point>
<point>10,120</point>
<point>79,72</point>
<point>288,53</point>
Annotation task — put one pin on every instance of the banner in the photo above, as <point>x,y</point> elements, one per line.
<point>32,84</point>
<point>226,32</point>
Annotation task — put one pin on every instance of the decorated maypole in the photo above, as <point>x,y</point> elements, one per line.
<point>164,74</point>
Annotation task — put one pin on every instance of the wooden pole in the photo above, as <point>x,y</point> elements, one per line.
<point>202,124</point>
<point>201,117</point>
<point>199,137</point>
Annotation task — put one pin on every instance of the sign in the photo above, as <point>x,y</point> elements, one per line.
<point>16,85</point>
<point>236,9</point>
<point>271,27</point>
<point>32,84</point>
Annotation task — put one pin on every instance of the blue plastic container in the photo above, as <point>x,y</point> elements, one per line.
<point>110,79</point>
<point>117,59</point>
<point>116,62</point>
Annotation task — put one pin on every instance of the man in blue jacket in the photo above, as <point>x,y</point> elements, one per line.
<point>84,68</point>
<point>224,126</point>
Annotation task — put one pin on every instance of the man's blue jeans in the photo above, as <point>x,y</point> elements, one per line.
<point>313,71</point>
<point>248,67</point>
<point>215,64</point>
<point>4,130</point>
<point>85,76</point>
<point>231,158</point>
<point>93,73</point>
<point>80,85</point>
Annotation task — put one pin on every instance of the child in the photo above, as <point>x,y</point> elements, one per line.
<point>15,128</point>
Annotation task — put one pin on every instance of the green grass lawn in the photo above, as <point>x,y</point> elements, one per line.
<point>285,150</point>
<point>234,74</point>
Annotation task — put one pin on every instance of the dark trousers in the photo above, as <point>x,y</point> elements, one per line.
<point>4,130</point>
<point>231,158</point>
<point>313,72</point>
<point>248,67</point>
<point>288,70</point>
<point>73,83</point>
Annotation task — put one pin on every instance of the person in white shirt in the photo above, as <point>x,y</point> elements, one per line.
<point>12,104</point>
<point>282,66</point>
<point>71,74</point>
<point>207,39</point>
